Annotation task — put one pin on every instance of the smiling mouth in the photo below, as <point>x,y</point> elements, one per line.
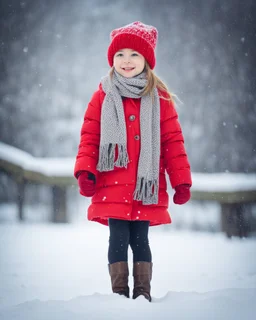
<point>128,69</point>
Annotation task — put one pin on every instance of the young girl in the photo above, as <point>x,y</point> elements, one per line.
<point>129,138</point>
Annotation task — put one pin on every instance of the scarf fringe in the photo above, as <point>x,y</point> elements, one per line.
<point>107,157</point>
<point>122,159</point>
<point>146,191</point>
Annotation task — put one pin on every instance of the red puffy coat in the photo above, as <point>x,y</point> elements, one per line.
<point>114,189</point>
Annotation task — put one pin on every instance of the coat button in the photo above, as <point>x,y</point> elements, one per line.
<point>137,137</point>
<point>132,117</point>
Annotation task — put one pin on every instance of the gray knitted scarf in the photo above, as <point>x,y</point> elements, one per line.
<point>113,133</point>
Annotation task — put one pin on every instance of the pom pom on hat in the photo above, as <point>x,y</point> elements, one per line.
<point>137,36</point>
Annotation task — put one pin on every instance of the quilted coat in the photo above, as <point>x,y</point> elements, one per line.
<point>114,189</point>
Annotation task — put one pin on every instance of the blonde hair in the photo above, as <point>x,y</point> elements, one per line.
<point>153,82</point>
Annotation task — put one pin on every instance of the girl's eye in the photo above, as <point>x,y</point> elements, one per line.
<point>134,54</point>
<point>119,55</point>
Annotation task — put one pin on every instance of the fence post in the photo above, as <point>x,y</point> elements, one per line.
<point>59,195</point>
<point>233,220</point>
<point>20,199</point>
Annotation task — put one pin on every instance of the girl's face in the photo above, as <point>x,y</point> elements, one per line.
<point>128,62</point>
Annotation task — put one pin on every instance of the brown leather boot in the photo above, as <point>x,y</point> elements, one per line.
<point>119,274</point>
<point>142,273</point>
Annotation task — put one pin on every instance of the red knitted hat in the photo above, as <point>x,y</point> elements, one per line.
<point>137,36</point>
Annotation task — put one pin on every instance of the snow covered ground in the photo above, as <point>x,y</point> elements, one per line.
<point>60,272</point>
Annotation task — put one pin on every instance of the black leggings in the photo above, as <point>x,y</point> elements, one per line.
<point>124,233</point>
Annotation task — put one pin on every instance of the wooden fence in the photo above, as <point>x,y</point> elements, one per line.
<point>234,191</point>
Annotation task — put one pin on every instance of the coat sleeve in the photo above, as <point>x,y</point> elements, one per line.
<point>173,149</point>
<point>88,150</point>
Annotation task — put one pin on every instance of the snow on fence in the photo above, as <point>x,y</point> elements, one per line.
<point>25,169</point>
<point>234,191</point>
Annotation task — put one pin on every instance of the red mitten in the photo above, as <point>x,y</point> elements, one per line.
<point>182,194</point>
<point>86,185</point>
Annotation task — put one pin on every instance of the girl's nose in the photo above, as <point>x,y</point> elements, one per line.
<point>127,59</point>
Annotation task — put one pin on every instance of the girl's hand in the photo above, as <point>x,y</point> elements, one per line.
<point>182,194</point>
<point>86,182</point>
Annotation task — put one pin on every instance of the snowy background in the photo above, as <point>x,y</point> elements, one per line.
<point>53,54</point>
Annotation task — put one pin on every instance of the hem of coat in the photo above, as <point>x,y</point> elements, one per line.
<point>104,219</point>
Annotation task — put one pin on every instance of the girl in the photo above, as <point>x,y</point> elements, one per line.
<point>129,137</point>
